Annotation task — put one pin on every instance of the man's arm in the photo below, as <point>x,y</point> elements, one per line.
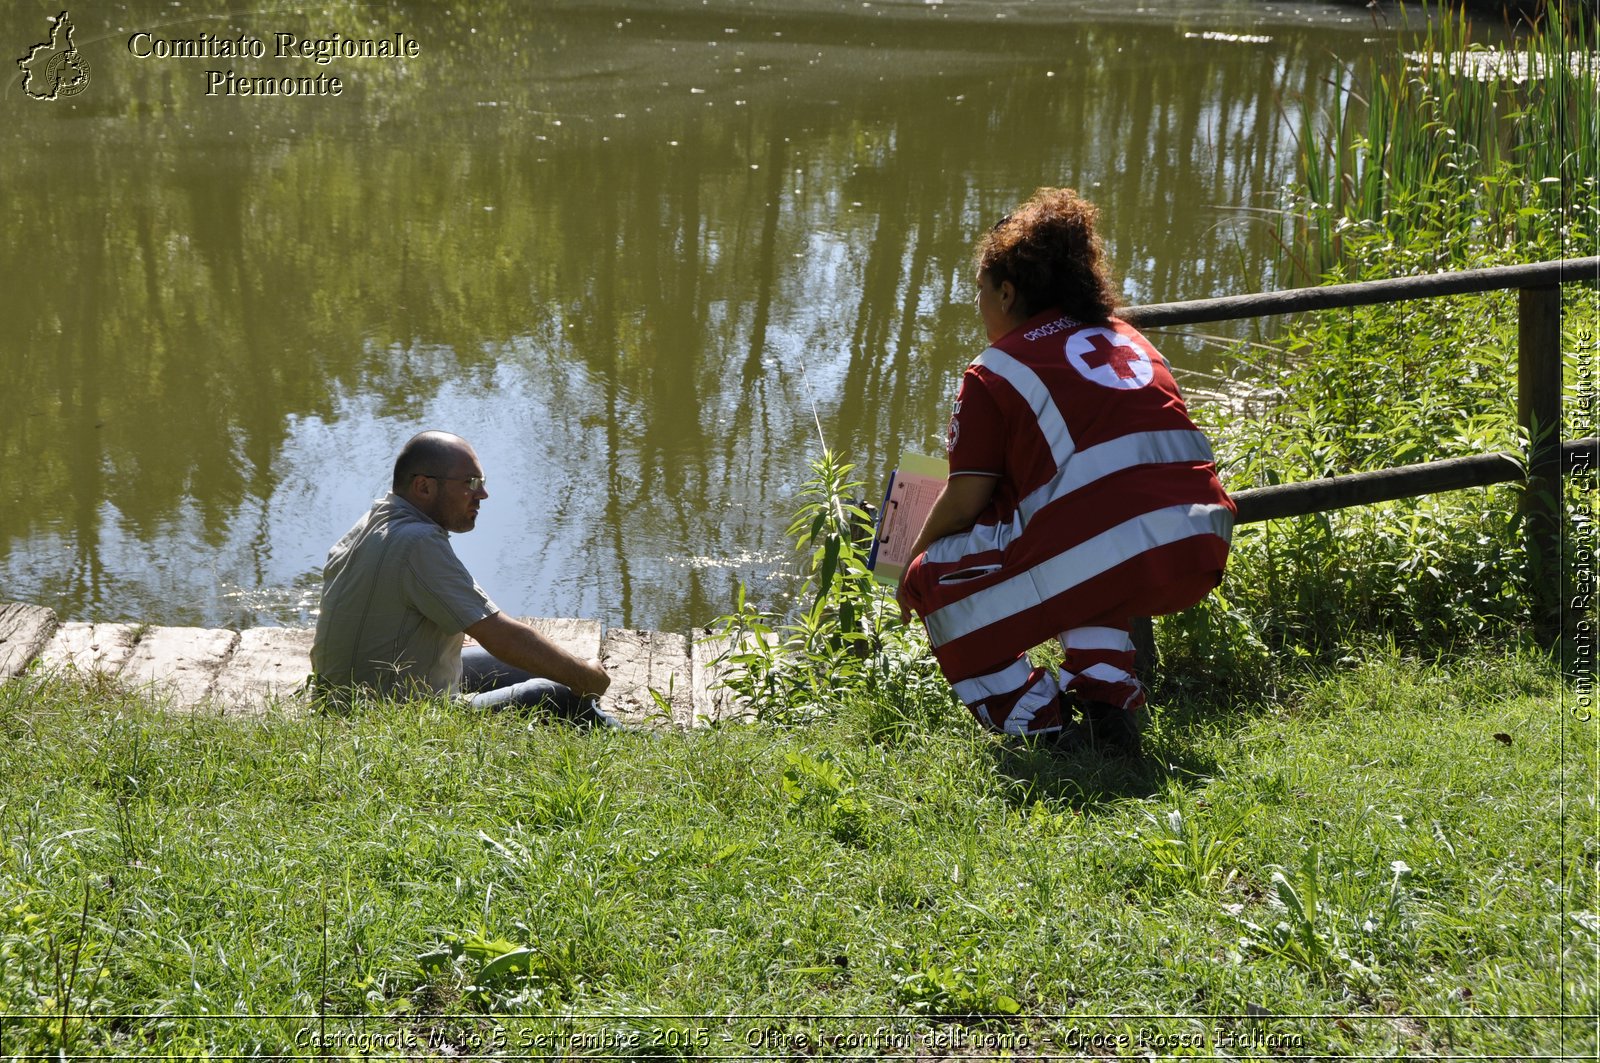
<point>522,647</point>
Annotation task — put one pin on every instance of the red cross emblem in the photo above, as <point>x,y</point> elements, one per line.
<point>1118,356</point>
<point>1109,359</point>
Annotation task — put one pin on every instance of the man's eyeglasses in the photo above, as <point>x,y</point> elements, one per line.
<point>474,483</point>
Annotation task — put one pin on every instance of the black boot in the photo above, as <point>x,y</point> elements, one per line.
<point>1111,729</point>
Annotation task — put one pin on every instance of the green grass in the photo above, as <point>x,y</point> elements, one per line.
<point>1366,853</point>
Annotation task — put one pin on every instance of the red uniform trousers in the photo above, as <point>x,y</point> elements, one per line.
<point>988,667</point>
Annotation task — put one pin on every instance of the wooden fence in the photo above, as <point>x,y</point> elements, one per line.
<point>1538,412</point>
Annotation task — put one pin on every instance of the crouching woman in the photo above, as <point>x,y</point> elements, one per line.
<point>1080,494</point>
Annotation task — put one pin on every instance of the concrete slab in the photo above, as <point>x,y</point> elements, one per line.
<point>25,630</point>
<point>179,662</point>
<point>642,661</point>
<point>579,637</point>
<point>89,647</point>
<point>268,666</point>
<point>714,703</point>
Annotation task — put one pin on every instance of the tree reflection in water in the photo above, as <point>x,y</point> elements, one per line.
<point>629,254</point>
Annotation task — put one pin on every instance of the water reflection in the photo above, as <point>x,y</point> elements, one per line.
<point>636,256</point>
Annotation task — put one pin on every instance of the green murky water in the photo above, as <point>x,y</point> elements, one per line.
<point>635,252</point>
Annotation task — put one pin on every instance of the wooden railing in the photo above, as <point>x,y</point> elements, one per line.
<point>1538,412</point>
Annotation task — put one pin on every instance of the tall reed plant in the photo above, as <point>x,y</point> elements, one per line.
<point>1450,143</point>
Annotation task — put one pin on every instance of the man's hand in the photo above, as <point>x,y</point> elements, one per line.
<point>598,680</point>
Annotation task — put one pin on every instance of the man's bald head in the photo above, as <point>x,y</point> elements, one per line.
<point>430,454</point>
<point>439,474</point>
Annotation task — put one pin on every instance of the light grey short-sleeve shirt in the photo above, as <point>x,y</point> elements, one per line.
<point>395,601</point>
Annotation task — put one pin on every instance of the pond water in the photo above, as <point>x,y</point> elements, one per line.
<point>643,255</point>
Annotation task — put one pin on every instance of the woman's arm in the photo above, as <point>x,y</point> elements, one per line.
<point>955,510</point>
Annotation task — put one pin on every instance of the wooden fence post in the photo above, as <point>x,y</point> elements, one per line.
<point>1142,630</point>
<point>1539,413</point>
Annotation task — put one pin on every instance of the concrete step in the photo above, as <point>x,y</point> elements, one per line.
<point>650,680</point>
<point>25,630</point>
<point>179,664</point>
<point>267,669</point>
<point>659,679</point>
<point>90,647</point>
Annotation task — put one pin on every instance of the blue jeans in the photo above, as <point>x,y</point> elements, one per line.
<point>490,683</point>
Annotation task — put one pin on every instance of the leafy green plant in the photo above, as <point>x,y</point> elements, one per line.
<point>496,974</point>
<point>1189,851</point>
<point>820,792</point>
<point>844,638</point>
<point>836,531</point>
<point>1307,934</point>
<point>62,969</point>
<point>960,988</point>
<point>1319,929</point>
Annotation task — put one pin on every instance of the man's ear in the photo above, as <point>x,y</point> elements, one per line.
<point>420,490</point>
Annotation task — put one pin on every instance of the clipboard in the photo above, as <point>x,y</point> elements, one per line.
<point>913,489</point>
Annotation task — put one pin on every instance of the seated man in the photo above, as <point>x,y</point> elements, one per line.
<point>396,602</point>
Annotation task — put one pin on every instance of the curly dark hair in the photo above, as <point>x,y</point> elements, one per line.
<point>1049,249</point>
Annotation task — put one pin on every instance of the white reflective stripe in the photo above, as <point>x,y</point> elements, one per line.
<point>1008,680</point>
<point>1159,527</point>
<point>982,537</point>
<point>1106,673</point>
<point>1115,455</point>
<point>1037,396</point>
<point>1028,706</point>
<point>1115,677</point>
<point>1084,468</point>
<point>1097,638</point>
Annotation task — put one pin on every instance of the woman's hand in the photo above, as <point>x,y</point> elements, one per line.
<point>900,596</point>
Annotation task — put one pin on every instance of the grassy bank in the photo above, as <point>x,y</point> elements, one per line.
<point>1392,858</point>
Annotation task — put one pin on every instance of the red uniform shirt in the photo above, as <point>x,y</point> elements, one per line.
<point>1107,495</point>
